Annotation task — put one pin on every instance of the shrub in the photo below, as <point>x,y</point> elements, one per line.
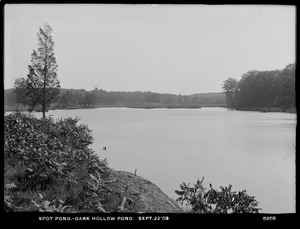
<point>51,159</point>
<point>197,200</point>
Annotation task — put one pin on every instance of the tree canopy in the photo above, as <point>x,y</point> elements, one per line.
<point>262,89</point>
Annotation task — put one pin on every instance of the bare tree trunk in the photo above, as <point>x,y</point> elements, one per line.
<point>44,113</point>
<point>44,102</point>
<point>44,88</point>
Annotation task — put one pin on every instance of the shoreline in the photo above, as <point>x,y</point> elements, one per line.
<point>270,110</point>
<point>262,109</point>
<point>23,108</point>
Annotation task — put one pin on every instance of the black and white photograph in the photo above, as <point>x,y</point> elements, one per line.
<point>149,112</point>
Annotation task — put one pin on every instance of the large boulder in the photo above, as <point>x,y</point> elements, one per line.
<point>135,194</point>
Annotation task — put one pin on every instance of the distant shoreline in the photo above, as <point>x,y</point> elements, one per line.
<point>80,108</point>
<point>16,108</point>
<point>269,110</point>
<point>146,106</point>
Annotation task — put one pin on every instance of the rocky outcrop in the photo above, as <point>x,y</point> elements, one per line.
<point>136,194</point>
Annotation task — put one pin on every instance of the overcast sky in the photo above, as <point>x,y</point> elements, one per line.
<point>180,49</point>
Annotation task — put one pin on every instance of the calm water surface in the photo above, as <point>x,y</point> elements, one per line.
<point>251,150</point>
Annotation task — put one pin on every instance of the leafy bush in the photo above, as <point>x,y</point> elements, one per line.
<point>197,200</point>
<point>49,167</point>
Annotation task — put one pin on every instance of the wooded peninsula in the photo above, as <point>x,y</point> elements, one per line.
<point>263,90</point>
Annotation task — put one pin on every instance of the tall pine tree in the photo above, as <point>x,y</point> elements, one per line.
<point>42,83</point>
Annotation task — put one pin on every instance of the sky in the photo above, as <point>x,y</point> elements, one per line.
<point>178,49</point>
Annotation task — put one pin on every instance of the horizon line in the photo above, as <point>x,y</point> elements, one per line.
<point>134,91</point>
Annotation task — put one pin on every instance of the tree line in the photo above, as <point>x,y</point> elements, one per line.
<point>81,98</point>
<point>262,90</point>
<point>100,97</point>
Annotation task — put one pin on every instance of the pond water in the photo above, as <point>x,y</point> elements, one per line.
<point>253,151</point>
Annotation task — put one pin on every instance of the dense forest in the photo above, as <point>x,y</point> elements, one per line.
<point>80,98</point>
<point>263,90</point>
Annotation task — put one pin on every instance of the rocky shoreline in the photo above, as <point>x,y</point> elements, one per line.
<point>137,194</point>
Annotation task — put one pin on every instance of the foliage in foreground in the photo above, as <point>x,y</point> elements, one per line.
<point>49,167</point>
<point>197,200</point>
